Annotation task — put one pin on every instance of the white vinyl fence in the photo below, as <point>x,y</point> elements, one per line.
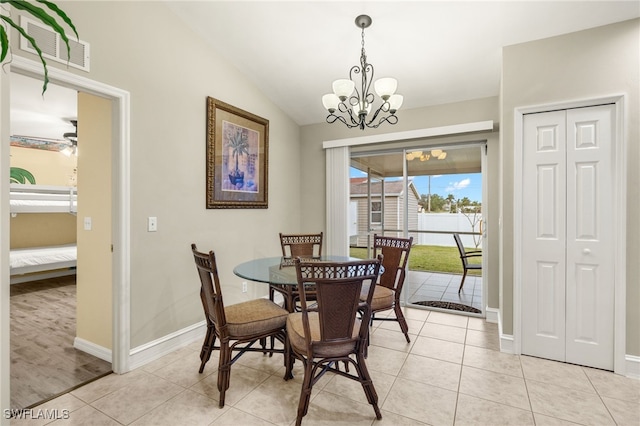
<point>445,222</point>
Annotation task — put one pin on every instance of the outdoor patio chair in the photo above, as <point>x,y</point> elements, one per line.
<point>464,258</point>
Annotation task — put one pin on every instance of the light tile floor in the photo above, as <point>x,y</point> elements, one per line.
<point>450,373</point>
<point>438,286</point>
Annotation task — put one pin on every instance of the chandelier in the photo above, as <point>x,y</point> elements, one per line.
<point>352,105</point>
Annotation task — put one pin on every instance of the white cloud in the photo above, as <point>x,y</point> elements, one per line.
<point>456,186</point>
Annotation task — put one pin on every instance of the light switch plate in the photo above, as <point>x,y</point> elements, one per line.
<point>87,223</point>
<point>152,224</point>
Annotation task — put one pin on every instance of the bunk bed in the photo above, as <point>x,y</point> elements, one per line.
<point>43,199</point>
<point>34,263</point>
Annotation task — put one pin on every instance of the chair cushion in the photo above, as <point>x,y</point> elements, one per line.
<point>383,297</point>
<point>295,330</point>
<point>254,317</point>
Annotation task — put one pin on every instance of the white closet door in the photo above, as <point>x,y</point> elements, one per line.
<point>590,272</point>
<point>568,274</point>
<point>544,235</point>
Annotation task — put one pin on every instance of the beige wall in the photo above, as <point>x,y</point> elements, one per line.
<point>42,229</point>
<point>312,161</point>
<point>169,71</point>
<point>588,64</point>
<point>48,167</point>
<point>94,274</point>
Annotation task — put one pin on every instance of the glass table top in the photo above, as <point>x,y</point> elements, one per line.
<point>277,270</point>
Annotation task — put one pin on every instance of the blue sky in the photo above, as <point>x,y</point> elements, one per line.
<point>464,185</point>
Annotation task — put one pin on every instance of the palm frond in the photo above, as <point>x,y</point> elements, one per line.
<point>49,19</point>
<point>35,46</point>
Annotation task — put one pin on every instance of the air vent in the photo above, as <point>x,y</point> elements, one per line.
<point>53,46</point>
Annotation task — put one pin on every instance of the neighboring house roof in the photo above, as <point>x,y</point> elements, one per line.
<point>391,187</point>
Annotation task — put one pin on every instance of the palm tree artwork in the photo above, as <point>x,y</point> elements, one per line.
<point>239,145</point>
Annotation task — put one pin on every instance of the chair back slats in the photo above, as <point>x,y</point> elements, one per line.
<point>301,245</point>
<point>396,254</point>
<point>461,250</point>
<point>337,296</point>
<point>210,293</point>
<point>460,246</point>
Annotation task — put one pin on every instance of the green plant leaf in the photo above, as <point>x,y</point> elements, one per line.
<point>61,14</point>
<point>35,46</point>
<point>4,41</point>
<point>20,175</point>
<point>47,19</point>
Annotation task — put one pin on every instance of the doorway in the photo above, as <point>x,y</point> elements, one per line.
<point>120,103</point>
<point>50,315</point>
<point>429,193</point>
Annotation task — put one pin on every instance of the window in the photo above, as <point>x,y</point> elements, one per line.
<point>376,212</point>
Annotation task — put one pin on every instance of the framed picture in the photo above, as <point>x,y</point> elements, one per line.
<point>237,158</point>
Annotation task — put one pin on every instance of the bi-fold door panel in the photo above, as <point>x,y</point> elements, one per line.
<point>590,272</point>
<point>544,235</point>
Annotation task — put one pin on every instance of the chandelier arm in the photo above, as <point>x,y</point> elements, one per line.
<point>375,115</point>
<point>344,109</point>
<point>355,99</point>
<point>391,119</point>
<point>332,118</point>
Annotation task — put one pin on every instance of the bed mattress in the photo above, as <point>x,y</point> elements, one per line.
<point>43,258</point>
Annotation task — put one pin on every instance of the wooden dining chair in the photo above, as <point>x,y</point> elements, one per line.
<point>307,246</point>
<point>301,245</point>
<point>335,328</point>
<point>464,258</point>
<point>233,325</point>
<point>389,286</point>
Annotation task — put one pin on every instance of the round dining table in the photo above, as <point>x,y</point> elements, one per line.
<point>278,270</point>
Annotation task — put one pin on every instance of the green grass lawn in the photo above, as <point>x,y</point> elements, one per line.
<point>430,258</point>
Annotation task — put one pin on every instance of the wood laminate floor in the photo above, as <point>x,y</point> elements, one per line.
<point>44,362</point>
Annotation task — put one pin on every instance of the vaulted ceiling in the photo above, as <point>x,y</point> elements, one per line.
<point>440,51</point>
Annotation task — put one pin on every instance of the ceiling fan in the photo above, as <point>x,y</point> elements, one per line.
<point>73,138</point>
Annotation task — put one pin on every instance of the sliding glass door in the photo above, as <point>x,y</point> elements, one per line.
<point>430,194</point>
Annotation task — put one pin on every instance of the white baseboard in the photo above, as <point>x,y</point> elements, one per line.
<point>92,349</point>
<point>158,348</point>
<point>492,314</point>
<point>632,362</point>
<point>506,343</point>
<point>506,340</point>
<point>632,366</point>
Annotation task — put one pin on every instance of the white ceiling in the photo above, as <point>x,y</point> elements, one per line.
<point>37,116</point>
<point>439,51</point>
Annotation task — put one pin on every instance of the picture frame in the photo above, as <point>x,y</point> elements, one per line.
<point>237,158</point>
